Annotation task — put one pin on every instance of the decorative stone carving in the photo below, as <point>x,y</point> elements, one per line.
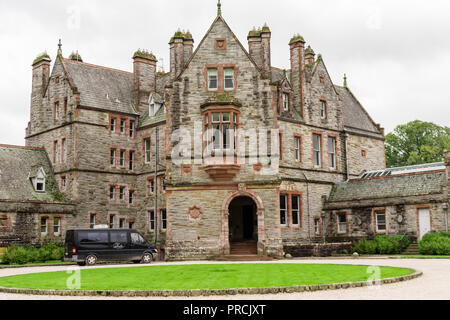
<point>195,213</point>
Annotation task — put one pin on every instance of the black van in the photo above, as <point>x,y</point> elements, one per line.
<point>86,246</point>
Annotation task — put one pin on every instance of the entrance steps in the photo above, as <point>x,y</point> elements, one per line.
<point>413,249</point>
<point>244,248</point>
<point>250,257</point>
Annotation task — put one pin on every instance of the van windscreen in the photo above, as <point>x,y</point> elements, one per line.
<point>92,237</point>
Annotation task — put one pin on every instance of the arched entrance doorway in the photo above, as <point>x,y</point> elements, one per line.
<point>243,226</point>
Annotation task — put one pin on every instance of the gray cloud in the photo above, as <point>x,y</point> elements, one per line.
<point>395,53</point>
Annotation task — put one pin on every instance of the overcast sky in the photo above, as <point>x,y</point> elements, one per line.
<point>396,54</point>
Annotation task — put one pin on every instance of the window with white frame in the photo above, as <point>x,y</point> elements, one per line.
<point>151,186</point>
<point>131,160</point>
<point>39,181</point>
<point>44,226</point>
<point>163,219</point>
<point>380,220</point>
<point>63,150</point>
<point>112,191</point>
<point>151,215</point>
<point>112,218</point>
<point>162,184</point>
<point>147,155</point>
<point>113,125</point>
<point>229,78</point>
<point>57,226</point>
<point>212,79</point>
<point>342,223</point>
<point>297,152</point>
<point>132,128</point>
<point>122,126</point>
<point>92,217</point>
<point>285,101</point>
<point>131,197</point>
<point>283,209</point>
<point>220,128</point>
<point>317,149</point>
<point>323,109</point>
<point>122,193</point>
<point>317,226</point>
<point>122,223</point>
<point>112,157</point>
<point>122,158</point>
<point>332,152</point>
<point>295,210</point>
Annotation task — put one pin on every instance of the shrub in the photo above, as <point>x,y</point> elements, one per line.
<point>21,255</point>
<point>382,245</point>
<point>437,243</point>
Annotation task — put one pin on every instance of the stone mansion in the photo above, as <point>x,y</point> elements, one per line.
<point>284,157</point>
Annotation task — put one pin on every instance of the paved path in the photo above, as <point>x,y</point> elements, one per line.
<point>434,284</point>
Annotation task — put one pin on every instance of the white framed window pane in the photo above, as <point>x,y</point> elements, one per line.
<point>226,136</point>
<point>152,220</point>
<point>229,78</point>
<point>216,117</point>
<point>56,226</point>
<point>212,79</point>
<point>92,221</point>
<point>381,221</point>
<point>163,219</point>
<point>297,148</point>
<point>216,136</point>
<point>295,210</point>
<point>342,223</point>
<point>332,152</point>
<point>285,102</point>
<point>317,150</point>
<point>111,222</point>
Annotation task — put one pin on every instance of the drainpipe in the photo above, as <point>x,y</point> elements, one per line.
<point>156,185</point>
<point>307,201</point>
<point>346,155</point>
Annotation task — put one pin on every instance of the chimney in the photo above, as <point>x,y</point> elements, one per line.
<point>297,48</point>
<point>310,56</point>
<point>259,48</point>
<point>255,48</point>
<point>265,41</point>
<point>176,54</point>
<point>188,47</point>
<point>144,75</point>
<point>41,74</point>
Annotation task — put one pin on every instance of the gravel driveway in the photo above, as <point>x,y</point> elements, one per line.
<point>434,284</point>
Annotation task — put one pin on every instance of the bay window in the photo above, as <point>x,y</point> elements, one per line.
<point>220,130</point>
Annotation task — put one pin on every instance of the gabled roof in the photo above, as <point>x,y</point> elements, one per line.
<point>356,117</point>
<point>101,87</point>
<point>219,18</point>
<point>18,165</point>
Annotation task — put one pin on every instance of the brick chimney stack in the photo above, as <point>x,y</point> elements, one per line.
<point>259,48</point>
<point>310,56</point>
<point>297,48</point>
<point>144,70</point>
<point>188,47</point>
<point>41,75</point>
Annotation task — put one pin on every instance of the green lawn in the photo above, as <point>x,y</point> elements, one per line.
<point>187,277</point>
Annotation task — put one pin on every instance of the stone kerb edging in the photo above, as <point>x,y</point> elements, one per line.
<point>205,292</point>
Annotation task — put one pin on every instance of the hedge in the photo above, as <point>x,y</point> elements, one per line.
<point>22,255</point>
<point>382,245</point>
<point>437,243</point>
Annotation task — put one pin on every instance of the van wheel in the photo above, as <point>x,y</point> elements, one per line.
<point>91,260</point>
<point>147,258</point>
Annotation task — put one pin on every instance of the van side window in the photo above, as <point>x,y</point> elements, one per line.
<point>136,238</point>
<point>92,237</point>
<point>118,236</point>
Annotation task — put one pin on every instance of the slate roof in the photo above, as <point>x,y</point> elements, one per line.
<point>17,164</point>
<point>277,74</point>
<point>102,88</point>
<point>424,183</point>
<point>356,117</point>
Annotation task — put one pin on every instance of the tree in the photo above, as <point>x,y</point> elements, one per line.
<point>416,142</point>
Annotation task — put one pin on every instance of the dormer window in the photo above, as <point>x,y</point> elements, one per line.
<point>285,101</point>
<point>39,181</point>
<point>155,103</point>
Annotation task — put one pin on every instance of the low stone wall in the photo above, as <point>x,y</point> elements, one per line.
<point>217,292</point>
<point>317,249</point>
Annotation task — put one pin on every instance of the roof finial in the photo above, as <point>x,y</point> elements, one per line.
<point>219,8</point>
<point>345,80</point>
<point>59,48</point>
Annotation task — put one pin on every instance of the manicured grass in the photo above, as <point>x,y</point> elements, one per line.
<point>188,277</point>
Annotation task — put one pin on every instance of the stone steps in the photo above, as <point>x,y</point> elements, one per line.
<point>247,257</point>
<point>413,249</point>
<point>243,248</point>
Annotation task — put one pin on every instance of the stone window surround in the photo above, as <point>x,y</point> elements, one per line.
<point>374,220</point>
<point>336,214</point>
<point>117,129</point>
<point>208,113</point>
<point>148,137</point>
<point>322,99</point>
<point>6,218</point>
<point>158,222</point>
<point>290,225</point>
<point>319,133</point>
<point>50,225</point>
<point>336,152</point>
<point>300,137</point>
<point>117,199</point>
<point>126,158</point>
<point>220,77</point>
<point>95,214</point>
